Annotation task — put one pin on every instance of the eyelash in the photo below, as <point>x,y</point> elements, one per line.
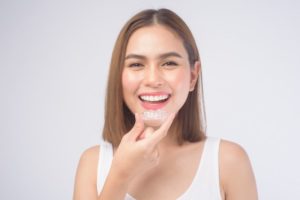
<point>166,64</point>
<point>135,65</point>
<point>170,63</point>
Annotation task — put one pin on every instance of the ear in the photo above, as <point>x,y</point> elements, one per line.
<point>195,70</point>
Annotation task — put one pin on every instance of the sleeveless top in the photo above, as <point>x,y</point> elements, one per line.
<point>205,184</point>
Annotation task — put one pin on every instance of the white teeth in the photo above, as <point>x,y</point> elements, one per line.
<point>154,98</point>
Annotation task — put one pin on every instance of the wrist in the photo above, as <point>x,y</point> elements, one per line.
<point>119,173</point>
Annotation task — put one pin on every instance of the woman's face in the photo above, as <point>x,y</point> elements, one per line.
<point>156,74</point>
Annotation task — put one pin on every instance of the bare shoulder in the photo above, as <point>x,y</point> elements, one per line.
<point>86,175</point>
<point>88,162</point>
<point>232,153</point>
<point>236,174</point>
<point>90,155</point>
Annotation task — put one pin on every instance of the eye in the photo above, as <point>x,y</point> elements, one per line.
<point>170,64</point>
<point>135,65</point>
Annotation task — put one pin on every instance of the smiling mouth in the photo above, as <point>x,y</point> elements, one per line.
<point>154,98</point>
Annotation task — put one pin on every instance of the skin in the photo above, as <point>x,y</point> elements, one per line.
<point>157,64</point>
<point>144,163</point>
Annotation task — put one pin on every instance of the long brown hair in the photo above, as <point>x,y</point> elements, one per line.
<point>189,123</point>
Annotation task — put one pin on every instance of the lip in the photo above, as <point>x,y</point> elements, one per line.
<point>154,93</point>
<point>154,105</point>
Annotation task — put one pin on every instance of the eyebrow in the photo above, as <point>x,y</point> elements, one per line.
<point>161,56</point>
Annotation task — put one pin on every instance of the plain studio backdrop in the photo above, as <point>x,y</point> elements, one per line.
<point>54,59</point>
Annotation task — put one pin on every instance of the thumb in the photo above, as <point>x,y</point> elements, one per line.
<point>137,128</point>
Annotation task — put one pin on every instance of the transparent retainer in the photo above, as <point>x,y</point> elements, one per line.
<point>155,115</point>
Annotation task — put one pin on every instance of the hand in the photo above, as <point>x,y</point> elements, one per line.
<point>138,151</point>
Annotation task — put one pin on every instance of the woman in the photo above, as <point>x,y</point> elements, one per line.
<point>155,145</point>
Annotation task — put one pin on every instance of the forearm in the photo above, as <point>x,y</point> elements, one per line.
<point>115,187</point>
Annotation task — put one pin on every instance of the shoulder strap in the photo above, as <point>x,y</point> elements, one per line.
<point>211,161</point>
<point>104,163</point>
<point>206,181</point>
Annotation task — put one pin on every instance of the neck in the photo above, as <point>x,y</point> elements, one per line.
<point>169,142</point>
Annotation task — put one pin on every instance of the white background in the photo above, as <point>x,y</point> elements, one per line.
<point>54,58</point>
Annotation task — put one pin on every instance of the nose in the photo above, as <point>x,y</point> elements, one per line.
<point>153,77</point>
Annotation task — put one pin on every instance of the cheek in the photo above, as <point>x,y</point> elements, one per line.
<point>181,85</point>
<point>181,81</point>
<point>129,82</point>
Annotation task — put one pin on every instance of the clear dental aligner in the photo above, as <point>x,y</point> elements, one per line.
<point>156,115</point>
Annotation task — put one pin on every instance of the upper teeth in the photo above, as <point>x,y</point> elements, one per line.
<point>154,98</point>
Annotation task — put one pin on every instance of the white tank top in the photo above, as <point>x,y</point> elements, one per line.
<point>205,184</point>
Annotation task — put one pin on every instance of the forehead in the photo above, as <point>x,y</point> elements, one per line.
<point>153,40</point>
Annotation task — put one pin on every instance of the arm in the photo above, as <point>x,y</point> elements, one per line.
<point>237,178</point>
<point>133,156</point>
<point>86,177</point>
<point>136,153</point>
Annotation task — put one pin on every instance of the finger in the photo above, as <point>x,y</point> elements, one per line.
<point>160,133</point>
<point>146,133</point>
<point>137,128</point>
